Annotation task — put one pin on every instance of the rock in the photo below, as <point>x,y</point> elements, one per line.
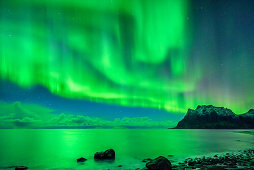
<point>21,168</point>
<point>119,165</point>
<point>108,154</point>
<point>191,163</point>
<point>81,159</point>
<point>160,163</point>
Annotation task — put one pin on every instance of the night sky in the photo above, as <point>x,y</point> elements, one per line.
<point>118,63</point>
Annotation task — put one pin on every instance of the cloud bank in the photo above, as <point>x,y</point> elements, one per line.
<point>22,115</point>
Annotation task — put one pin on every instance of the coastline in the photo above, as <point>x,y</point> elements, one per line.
<point>249,132</point>
<point>242,159</point>
<point>238,157</point>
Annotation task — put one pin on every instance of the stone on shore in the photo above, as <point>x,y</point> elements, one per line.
<point>108,154</point>
<point>160,163</point>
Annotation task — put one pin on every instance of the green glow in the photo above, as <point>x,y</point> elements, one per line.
<point>23,115</point>
<point>65,145</point>
<point>132,53</point>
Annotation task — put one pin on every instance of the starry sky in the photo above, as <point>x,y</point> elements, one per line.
<point>123,63</point>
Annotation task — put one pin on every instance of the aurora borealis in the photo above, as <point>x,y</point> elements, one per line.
<point>163,54</point>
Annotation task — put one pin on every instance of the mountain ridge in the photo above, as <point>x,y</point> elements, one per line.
<point>211,117</point>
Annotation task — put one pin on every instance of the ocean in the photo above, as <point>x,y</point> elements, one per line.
<point>59,148</point>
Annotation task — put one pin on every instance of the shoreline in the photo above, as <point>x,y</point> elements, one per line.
<point>242,159</point>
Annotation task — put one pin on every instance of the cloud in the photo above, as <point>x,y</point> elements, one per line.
<point>21,115</point>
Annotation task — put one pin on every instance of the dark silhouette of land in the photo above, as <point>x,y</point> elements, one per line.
<point>211,117</point>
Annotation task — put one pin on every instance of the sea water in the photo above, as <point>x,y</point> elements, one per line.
<point>59,148</point>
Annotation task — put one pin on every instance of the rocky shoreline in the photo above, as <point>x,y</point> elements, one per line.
<point>240,160</point>
<point>243,159</point>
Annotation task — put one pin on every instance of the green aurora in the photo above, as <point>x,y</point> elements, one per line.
<point>132,53</point>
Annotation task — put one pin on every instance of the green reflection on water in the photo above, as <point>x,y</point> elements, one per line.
<point>60,148</point>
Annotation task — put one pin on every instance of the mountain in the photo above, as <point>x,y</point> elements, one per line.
<point>211,117</point>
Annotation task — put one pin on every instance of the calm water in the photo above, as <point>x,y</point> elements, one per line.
<point>48,149</point>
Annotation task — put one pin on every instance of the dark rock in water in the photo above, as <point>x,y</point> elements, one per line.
<point>119,165</point>
<point>211,117</point>
<point>81,159</point>
<point>160,163</point>
<point>108,154</point>
<point>21,168</point>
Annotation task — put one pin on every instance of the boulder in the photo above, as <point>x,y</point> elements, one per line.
<point>79,160</point>
<point>160,163</point>
<point>108,154</point>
